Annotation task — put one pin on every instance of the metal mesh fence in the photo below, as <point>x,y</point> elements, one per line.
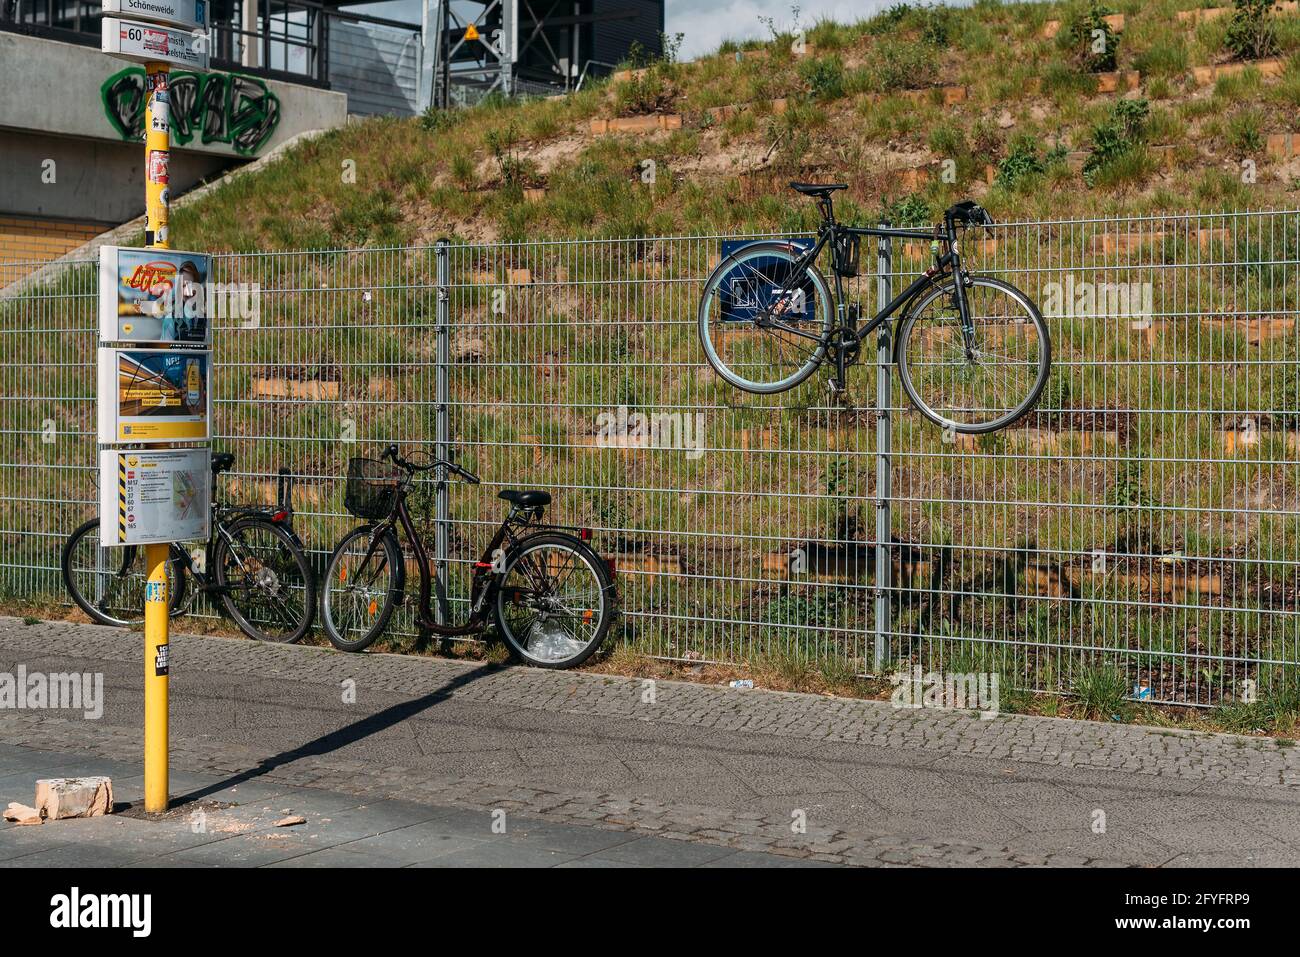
<point>1143,519</point>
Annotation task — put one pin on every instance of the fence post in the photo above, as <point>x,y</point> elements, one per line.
<point>442,440</point>
<point>884,358</point>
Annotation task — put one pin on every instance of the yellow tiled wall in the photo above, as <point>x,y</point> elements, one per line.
<point>26,243</point>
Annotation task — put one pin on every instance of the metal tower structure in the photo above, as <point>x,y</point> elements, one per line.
<point>475,47</point>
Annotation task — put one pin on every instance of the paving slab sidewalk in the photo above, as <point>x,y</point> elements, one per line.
<point>238,826</point>
<point>797,777</point>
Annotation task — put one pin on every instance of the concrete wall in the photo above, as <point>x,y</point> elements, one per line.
<point>55,87</point>
<point>93,180</point>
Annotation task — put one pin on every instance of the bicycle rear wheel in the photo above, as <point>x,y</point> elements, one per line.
<point>107,582</point>
<point>265,582</point>
<point>995,384</point>
<point>359,593</point>
<point>555,603</point>
<point>747,285</point>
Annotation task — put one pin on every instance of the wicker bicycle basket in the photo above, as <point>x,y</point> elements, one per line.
<point>372,488</point>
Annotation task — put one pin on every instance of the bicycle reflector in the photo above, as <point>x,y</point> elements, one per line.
<point>584,534</point>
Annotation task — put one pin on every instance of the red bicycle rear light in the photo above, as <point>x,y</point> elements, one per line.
<point>280,516</point>
<point>584,534</point>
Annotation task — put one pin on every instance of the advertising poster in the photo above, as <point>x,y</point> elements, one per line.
<point>751,286</point>
<point>153,296</point>
<point>154,395</point>
<point>154,496</point>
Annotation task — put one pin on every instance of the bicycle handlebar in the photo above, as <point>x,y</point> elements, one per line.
<point>968,212</point>
<point>392,453</point>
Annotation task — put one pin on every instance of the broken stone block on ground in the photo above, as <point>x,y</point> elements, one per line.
<point>60,798</point>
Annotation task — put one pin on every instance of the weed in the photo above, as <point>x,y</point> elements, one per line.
<point>1252,32</point>
<point>1122,131</point>
<point>906,211</point>
<point>1101,694</point>
<point>902,65</point>
<point>824,76</point>
<point>1022,164</point>
<point>1089,39</point>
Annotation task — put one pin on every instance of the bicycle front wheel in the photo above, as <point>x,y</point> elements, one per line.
<point>264,581</point>
<point>746,287</point>
<point>108,583</point>
<point>988,386</point>
<point>360,589</point>
<point>555,602</point>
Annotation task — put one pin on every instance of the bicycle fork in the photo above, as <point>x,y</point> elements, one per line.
<point>847,318</point>
<point>963,311</point>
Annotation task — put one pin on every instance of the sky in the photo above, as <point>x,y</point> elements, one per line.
<point>706,23</point>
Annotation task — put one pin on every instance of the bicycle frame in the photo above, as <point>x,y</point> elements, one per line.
<point>483,581</point>
<point>223,515</point>
<point>949,263</point>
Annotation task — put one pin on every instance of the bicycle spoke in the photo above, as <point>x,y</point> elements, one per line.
<point>755,284</point>
<point>999,374</point>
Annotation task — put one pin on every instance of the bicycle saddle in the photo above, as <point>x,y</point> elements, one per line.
<point>221,462</point>
<point>817,189</point>
<point>529,498</point>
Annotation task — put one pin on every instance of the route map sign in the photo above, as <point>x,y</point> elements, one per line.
<point>158,495</point>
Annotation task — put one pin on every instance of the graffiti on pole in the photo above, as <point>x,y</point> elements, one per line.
<point>214,107</point>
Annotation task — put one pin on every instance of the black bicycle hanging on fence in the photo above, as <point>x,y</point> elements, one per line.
<point>551,595</point>
<point>973,352</point>
<point>253,562</point>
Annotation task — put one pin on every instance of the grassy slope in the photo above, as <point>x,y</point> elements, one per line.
<point>463,174</point>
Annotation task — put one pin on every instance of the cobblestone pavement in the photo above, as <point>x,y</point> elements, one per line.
<point>804,776</point>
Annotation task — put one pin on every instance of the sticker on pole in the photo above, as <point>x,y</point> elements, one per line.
<point>152,43</point>
<point>154,296</point>
<point>185,14</point>
<point>154,496</point>
<point>154,395</point>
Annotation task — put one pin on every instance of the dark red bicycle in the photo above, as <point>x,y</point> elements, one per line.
<point>550,595</point>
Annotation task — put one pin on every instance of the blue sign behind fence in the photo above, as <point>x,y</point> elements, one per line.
<point>752,286</point>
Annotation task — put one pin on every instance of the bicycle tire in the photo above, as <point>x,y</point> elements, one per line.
<point>519,644</point>
<point>377,614</point>
<point>713,290</point>
<point>127,557</point>
<point>284,578</point>
<point>1027,401</point>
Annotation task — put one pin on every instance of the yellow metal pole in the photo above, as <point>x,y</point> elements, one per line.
<point>157,144</point>
<point>155,680</point>
<point>157,154</point>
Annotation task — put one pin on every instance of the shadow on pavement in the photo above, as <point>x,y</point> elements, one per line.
<point>357,731</point>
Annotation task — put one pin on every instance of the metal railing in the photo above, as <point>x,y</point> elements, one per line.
<point>1144,518</point>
